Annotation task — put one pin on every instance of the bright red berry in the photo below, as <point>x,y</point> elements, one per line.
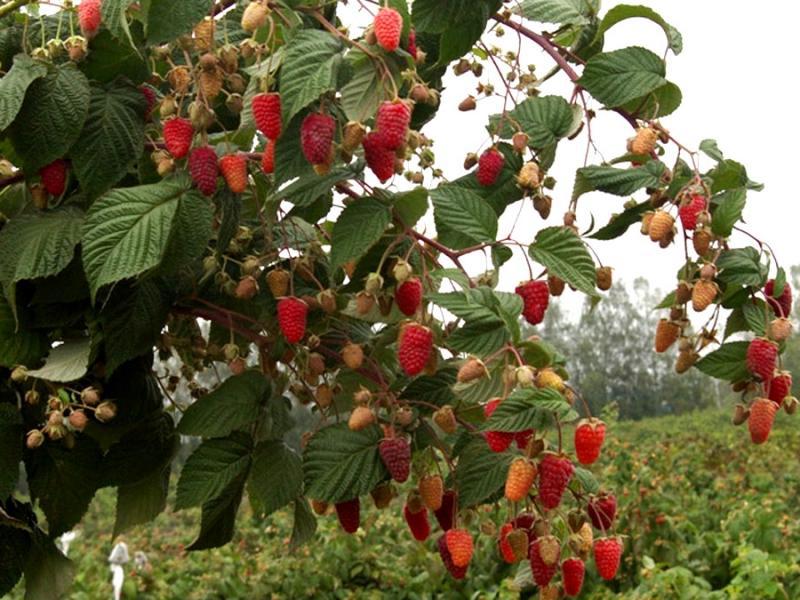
<point>268,158</point>
<point>292,313</point>
<point>178,134</point>
<point>607,553</point>
<point>780,387</point>
<point>380,159</point>
<point>762,355</point>
<point>412,43</point>
<point>234,170</point>
<point>388,26</point>
<point>542,572</point>
<point>454,570</point>
<point>459,545</point>
<point>392,123</point>
<point>203,169</point>
<point>535,298</point>
<point>523,437</point>
<point>267,114</point>
<point>445,515</point>
<point>572,572</point>
<point>498,441</point>
<point>417,523</point>
<point>396,455</point>
<point>762,415</point>
<point>414,348</point>
<point>489,166</point>
<point>602,511</point>
<point>782,305</point>
<point>555,473</point>
<point>689,211</point>
<point>408,296</point>
<point>316,137</point>
<point>89,17</point>
<point>506,551</point>
<point>54,177</point>
<point>589,437</point>
<point>349,513</point>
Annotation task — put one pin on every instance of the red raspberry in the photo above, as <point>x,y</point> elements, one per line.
<point>498,441</point>
<point>555,473</point>
<point>412,44</point>
<point>234,170</point>
<point>178,134</point>
<point>392,123</point>
<point>149,98</point>
<point>459,545</point>
<point>292,314</point>
<point>89,17</point>
<point>414,348</point>
<point>524,521</point>
<point>380,159</point>
<point>417,523</point>
<point>572,572</point>
<point>388,26</point>
<point>506,551</point>
<point>762,354</point>
<point>589,437</point>
<point>782,306</point>
<point>689,211</point>
<point>267,114</point>
<point>446,513</point>
<point>542,572</point>
<point>602,510</point>
<point>316,137</point>
<point>54,177</point>
<point>203,169</point>
<point>535,298</point>
<point>408,296</point>
<point>523,437</point>
<point>489,166</point>
<point>762,415</point>
<point>780,387</point>
<point>268,158</point>
<point>607,552</point>
<point>396,455</point>
<point>455,571</point>
<point>349,513</point>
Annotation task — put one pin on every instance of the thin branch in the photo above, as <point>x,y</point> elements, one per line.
<point>11,6</point>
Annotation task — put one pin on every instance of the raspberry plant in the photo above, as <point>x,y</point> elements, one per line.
<point>217,185</point>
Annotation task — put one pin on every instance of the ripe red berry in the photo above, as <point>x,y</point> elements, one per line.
<point>542,572</point>
<point>178,134</point>
<point>388,27</point>
<point>607,552</point>
<point>782,305</point>
<point>89,17</point>
<point>555,473</point>
<point>292,313</point>
<point>316,137</point>
<point>456,571</point>
<point>412,43</point>
<point>267,114</point>
<point>602,511</point>
<point>203,169</point>
<point>459,545</point>
<point>54,177</point>
<point>234,170</point>
<point>498,441</point>
<point>489,166</point>
<point>762,415</point>
<point>762,355</point>
<point>780,387</point>
<point>417,523</point>
<point>414,348</point>
<point>535,298</point>
<point>268,158</point>
<point>506,551</point>
<point>589,437</point>
<point>396,455</point>
<point>349,513</point>
<point>446,513</point>
<point>392,123</point>
<point>689,211</point>
<point>380,159</point>
<point>408,296</point>
<point>572,573</point>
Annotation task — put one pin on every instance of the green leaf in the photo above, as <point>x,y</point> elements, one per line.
<point>11,443</point>
<point>461,35</point>
<point>111,139</point>
<point>37,245</point>
<point>310,188</point>
<point>145,448</point>
<point>211,469</point>
<point>587,480</point>
<point>14,84</point>
<point>141,502</point>
<point>662,101</point>
<point>305,524</point>
<point>191,230</point>
<point>617,77</point>
<point>730,174</point>
<point>435,389</point>
<point>219,517</point>
<point>546,120</point>
<point>480,339</point>
<point>565,256</point>
<point>742,266</point>
<point>310,68</point>
<point>233,404</point>
<point>620,223</point>
<point>462,217</point>
<point>468,305</point>
<point>113,59</point>
<point>277,475</point>
<point>620,182</point>
<point>358,227</point>
<point>411,206</point>
<point>711,149</point>
<point>67,362</point>
<point>127,230</point>
<point>167,19</point>
<point>756,315</point>
<point>435,16</point>
<point>341,464</point>
<point>628,11</point>
<point>728,210</point>
<point>51,117</point>
<point>18,346</point>
<point>528,408</point>
<point>366,89</point>
<point>480,473</point>
<point>115,20</point>
<point>561,12</point>
<point>728,362</point>
<point>48,573</point>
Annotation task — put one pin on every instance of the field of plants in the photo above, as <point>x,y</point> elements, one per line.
<point>708,516</point>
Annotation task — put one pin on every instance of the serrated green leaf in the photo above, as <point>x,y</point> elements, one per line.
<point>358,227</point>
<point>742,266</point>
<point>115,20</point>
<point>561,12</point>
<point>167,19</point>
<point>113,59</point>
<point>620,182</point>
<point>458,38</point>
<point>628,11</point>
<point>711,149</point>
<point>435,389</point>
<point>479,338</point>
<point>728,210</point>
<point>141,502</point>
<point>617,77</point>
<point>620,223</point>
<point>11,443</point>
<point>308,189</point>
<point>411,206</point>
<point>757,315</point>
<point>145,448</point>
<point>18,346</point>
<point>480,473</point>
<point>462,217</point>
<point>211,469</point>
<point>565,256</point>
<point>436,16</point>
<point>362,95</point>
<point>218,516</point>
<point>305,524</point>
<point>528,408</point>
<point>14,85</point>
<point>728,362</point>
<point>67,362</point>
<point>277,475</point>
<point>587,480</point>
<point>545,119</point>
<point>48,573</point>
<point>661,102</point>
